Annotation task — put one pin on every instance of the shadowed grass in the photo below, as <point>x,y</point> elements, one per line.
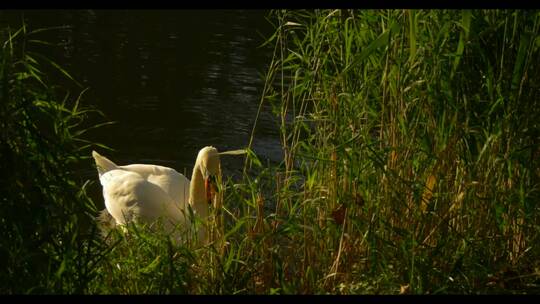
<point>47,243</point>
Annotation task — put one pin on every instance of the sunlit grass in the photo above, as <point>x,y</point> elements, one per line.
<point>410,165</point>
<point>414,136</point>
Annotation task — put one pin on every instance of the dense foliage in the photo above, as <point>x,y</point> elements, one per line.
<point>44,211</point>
<point>419,131</point>
<point>411,165</point>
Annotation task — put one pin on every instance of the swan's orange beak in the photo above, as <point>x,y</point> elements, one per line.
<point>210,187</point>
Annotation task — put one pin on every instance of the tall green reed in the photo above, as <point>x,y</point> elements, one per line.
<point>414,136</point>
<point>46,243</point>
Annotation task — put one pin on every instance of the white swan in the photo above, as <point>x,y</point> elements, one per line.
<point>146,193</point>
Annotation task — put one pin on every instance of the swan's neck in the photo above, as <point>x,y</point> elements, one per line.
<point>197,193</point>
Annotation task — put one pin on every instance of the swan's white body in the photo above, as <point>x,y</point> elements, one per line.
<point>146,193</point>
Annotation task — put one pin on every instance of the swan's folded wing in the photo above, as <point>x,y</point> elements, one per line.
<point>128,197</point>
<point>175,184</point>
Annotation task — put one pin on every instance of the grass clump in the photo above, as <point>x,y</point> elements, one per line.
<point>411,149</point>
<point>46,243</point>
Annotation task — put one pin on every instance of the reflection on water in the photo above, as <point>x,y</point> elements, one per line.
<point>174,81</point>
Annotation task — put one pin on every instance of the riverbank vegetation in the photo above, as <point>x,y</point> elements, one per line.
<point>411,165</point>
<point>415,137</point>
<point>44,210</point>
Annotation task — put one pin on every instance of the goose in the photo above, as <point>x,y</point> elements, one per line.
<point>145,193</point>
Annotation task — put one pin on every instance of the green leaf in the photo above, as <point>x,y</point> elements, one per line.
<point>412,34</point>
<point>463,37</point>
<point>58,67</point>
<point>234,229</point>
<point>381,41</point>
<point>61,269</point>
<point>151,267</point>
<point>520,59</point>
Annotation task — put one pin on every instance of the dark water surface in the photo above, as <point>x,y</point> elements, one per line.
<point>172,80</point>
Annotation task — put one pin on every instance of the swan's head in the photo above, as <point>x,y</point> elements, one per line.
<point>209,163</point>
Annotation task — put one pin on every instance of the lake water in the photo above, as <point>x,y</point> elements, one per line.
<point>174,81</point>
